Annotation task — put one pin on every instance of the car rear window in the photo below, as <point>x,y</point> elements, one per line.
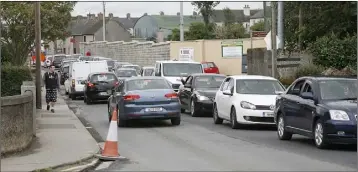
<point>59,58</point>
<point>148,72</point>
<point>147,84</point>
<point>209,64</point>
<point>66,69</point>
<point>126,73</point>
<point>103,77</point>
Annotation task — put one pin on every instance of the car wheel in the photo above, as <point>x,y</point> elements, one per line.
<point>281,131</point>
<point>120,122</point>
<point>84,99</point>
<point>88,100</point>
<point>217,119</point>
<point>175,121</point>
<point>109,113</point>
<point>182,110</point>
<point>233,120</point>
<point>66,92</point>
<point>193,111</point>
<point>319,137</point>
<point>73,97</point>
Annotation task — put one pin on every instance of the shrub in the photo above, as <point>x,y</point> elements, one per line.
<point>286,81</point>
<point>308,70</point>
<point>12,77</point>
<point>331,51</point>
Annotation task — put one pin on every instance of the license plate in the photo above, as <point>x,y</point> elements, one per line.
<point>267,114</point>
<point>154,109</point>
<point>103,93</point>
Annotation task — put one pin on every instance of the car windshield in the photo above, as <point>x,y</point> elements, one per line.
<point>104,78</point>
<point>208,81</point>
<point>110,63</point>
<point>85,58</point>
<point>59,58</point>
<point>66,69</point>
<point>126,73</point>
<point>148,72</point>
<point>147,84</point>
<point>76,56</point>
<point>340,89</point>
<point>137,68</point>
<point>180,69</point>
<point>263,86</point>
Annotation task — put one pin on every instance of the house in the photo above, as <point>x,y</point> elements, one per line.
<point>128,22</point>
<point>148,26</point>
<point>258,17</point>
<point>90,28</point>
<point>241,16</point>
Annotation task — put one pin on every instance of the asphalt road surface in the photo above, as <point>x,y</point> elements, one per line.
<point>200,145</point>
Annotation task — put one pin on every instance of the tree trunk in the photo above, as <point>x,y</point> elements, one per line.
<point>55,47</point>
<point>300,24</point>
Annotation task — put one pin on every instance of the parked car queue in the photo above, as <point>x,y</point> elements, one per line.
<point>321,108</point>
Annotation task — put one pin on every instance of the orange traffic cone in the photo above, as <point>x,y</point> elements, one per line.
<point>110,150</point>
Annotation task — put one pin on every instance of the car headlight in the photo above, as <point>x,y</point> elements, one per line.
<point>247,105</point>
<point>202,98</point>
<point>339,115</point>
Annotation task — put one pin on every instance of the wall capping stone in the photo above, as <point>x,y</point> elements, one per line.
<point>15,100</point>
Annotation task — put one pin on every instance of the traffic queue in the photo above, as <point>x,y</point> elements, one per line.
<point>323,108</point>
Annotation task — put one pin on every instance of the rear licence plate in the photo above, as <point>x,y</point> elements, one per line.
<point>103,93</point>
<point>267,114</point>
<point>153,109</point>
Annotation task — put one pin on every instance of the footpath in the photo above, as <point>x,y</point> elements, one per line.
<point>60,139</point>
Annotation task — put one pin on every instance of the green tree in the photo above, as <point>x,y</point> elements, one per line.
<point>259,26</point>
<point>206,9</point>
<point>229,16</point>
<point>175,36</point>
<point>18,35</point>
<point>198,30</point>
<point>230,31</point>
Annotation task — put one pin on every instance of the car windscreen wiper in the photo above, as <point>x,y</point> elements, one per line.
<point>350,98</point>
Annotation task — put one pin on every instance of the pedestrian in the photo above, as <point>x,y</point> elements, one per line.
<point>51,82</point>
<point>88,53</point>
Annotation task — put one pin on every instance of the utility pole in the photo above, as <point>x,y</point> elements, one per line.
<point>38,54</point>
<point>104,21</point>
<point>273,39</point>
<point>0,80</point>
<point>357,57</point>
<point>280,34</point>
<point>300,24</point>
<point>181,22</point>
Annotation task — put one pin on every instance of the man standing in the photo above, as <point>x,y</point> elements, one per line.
<point>52,85</point>
<point>88,53</point>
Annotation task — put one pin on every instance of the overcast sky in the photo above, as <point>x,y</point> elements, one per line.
<point>137,9</point>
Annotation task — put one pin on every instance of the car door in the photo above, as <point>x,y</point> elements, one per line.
<point>292,104</point>
<point>185,93</point>
<point>219,97</point>
<point>305,117</point>
<point>226,100</point>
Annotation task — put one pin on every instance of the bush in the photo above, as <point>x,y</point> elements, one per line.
<point>331,51</point>
<point>12,77</point>
<point>286,81</point>
<point>308,70</point>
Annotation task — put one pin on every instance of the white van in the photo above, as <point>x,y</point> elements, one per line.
<point>174,71</point>
<point>79,72</point>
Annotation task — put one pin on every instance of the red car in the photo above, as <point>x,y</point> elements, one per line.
<point>210,67</point>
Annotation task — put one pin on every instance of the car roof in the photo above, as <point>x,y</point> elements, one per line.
<point>171,61</point>
<point>123,68</point>
<point>98,73</point>
<point>320,78</point>
<point>252,77</point>
<point>207,74</point>
<point>148,67</point>
<point>144,77</point>
<point>130,65</point>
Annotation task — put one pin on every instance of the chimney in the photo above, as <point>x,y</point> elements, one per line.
<point>247,10</point>
<point>161,13</point>
<point>100,16</point>
<point>110,15</point>
<point>178,13</point>
<point>128,16</point>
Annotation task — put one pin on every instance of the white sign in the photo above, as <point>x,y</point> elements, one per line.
<point>232,49</point>
<point>186,54</point>
<point>268,41</point>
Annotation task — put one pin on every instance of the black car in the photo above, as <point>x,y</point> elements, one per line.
<point>57,60</point>
<point>321,108</point>
<point>98,86</point>
<point>198,92</point>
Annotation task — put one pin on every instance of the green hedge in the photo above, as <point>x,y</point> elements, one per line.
<point>12,77</point>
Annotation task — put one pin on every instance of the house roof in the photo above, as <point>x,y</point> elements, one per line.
<point>218,15</point>
<point>127,23</point>
<point>99,24</point>
<point>80,24</point>
<point>173,21</point>
<point>259,14</point>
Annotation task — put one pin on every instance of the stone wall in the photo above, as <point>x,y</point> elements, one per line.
<point>140,53</point>
<point>16,122</point>
<point>259,62</point>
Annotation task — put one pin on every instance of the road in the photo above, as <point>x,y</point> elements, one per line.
<point>198,144</point>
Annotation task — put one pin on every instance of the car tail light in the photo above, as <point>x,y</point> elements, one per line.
<point>171,95</point>
<point>90,84</point>
<point>73,83</point>
<point>131,97</point>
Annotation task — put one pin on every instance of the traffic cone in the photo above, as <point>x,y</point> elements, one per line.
<point>110,150</point>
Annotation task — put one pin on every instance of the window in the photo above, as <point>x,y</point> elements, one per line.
<point>84,38</point>
<point>307,88</point>
<point>338,89</point>
<point>258,86</point>
<point>179,69</point>
<point>64,50</point>
<point>147,84</point>
<point>224,84</point>
<point>189,80</point>
<point>74,51</point>
<point>296,88</point>
<point>103,78</point>
<point>231,86</point>
<point>208,81</point>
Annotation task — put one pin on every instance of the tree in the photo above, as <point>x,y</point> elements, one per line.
<point>229,16</point>
<point>19,34</point>
<point>259,26</point>
<point>198,30</point>
<point>230,31</point>
<point>206,9</point>
<point>175,36</point>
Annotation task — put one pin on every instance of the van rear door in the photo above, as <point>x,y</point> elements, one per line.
<point>98,66</point>
<point>80,71</point>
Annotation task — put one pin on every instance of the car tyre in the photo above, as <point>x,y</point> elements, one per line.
<point>175,121</point>
<point>217,119</point>
<point>319,135</point>
<point>281,131</point>
<point>233,121</point>
<point>120,123</point>
<point>73,97</point>
<point>182,110</point>
<point>193,111</point>
<point>88,100</point>
<point>66,92</point>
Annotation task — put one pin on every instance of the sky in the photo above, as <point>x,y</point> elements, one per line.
<point>137,9</point>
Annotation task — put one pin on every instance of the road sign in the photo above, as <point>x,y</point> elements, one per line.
<point>258,34</point>
<point>268,41</point>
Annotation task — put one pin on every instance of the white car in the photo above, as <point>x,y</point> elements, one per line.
<point>246,99</point>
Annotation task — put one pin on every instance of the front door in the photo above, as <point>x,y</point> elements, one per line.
<point>307,112</point>
<point>226,100</point>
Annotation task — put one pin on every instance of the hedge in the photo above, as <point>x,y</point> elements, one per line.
<point>12,77</point>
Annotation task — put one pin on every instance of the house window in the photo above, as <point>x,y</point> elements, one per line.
<point>64,50</point>
<point>74,51</point>
<point>84,38</point>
